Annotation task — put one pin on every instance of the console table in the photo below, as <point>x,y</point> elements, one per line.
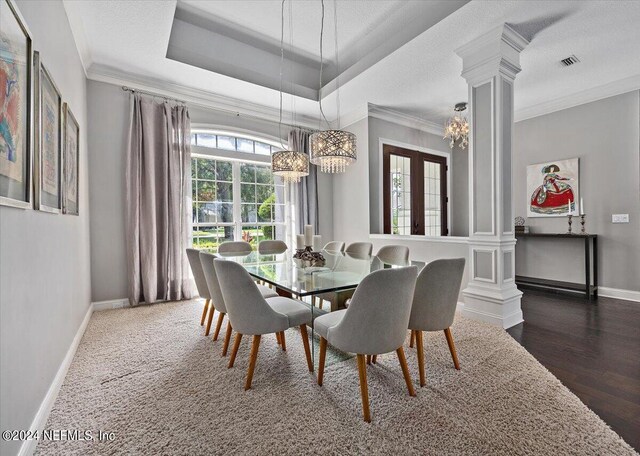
<point>590,291</point>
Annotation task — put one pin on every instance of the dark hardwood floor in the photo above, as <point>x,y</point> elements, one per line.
<point>593,348</point>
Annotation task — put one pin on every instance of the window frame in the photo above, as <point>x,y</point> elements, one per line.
<point>237,159</point>
<point>418,158</point>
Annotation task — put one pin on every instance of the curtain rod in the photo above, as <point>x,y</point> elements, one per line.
<point>211,108</point>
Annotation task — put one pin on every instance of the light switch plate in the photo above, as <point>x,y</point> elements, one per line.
<point>619,218</point>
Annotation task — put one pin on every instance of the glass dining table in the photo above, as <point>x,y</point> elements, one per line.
<point>334,282</point>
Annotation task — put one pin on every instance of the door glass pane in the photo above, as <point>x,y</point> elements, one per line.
<point>400,178</point>
<point>432,200</point>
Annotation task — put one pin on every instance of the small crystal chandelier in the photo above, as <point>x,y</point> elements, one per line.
<point>288,164</point>
<point>332,150</point>
<point>457,127</point>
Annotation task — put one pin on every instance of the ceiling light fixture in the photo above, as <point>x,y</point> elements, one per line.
<point>291,165</point>
<point>332,150</point>
<point>457,127</point>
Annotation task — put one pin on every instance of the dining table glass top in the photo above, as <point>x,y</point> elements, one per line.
<point>341,271</point>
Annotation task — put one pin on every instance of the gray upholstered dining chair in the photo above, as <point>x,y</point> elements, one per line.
<point>360,249</point>
<point>272,247</point>
<point>253,315</point>
<point>434,304</point>
<point>234,247</point>
<point>218,300</point>
<point>367,327</point>
<point>334,246</point>
<point>394,254</point>
<point>201,284</point>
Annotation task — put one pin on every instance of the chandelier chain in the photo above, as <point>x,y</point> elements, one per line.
<point>321,64</point>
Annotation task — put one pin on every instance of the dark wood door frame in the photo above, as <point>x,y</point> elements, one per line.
<point>417,187</point>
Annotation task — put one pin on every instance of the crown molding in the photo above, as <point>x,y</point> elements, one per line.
<point>192,96</point>
<point>407,120</point>
<point>586,96</point>
<point>389,115</point>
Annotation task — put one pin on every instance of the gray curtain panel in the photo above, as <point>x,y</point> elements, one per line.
<point>158,185</point>
<point>305,193</point>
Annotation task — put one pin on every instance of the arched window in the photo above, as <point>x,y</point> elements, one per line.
<point>235,196</point>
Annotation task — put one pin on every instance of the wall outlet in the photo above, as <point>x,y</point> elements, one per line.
<point>619,218</point>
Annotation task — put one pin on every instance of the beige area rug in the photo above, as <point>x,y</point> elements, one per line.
<point>150,376</point>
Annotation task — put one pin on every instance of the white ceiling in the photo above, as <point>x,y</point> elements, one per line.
<point>126,42</point>
<point>356,18</point>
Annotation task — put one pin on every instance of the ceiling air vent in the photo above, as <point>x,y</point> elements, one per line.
<point>568,61</point>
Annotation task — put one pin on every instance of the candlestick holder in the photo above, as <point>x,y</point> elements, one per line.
<point>570,221</point>
<point>582,221</point>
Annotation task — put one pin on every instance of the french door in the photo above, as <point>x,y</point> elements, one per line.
<point>415,192</point>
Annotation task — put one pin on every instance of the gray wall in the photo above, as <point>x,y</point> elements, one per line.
<point>458,171</point>
<point>44,258</point>
<point>351,210</point>
<point>108,108</point>
<point>605,136</point>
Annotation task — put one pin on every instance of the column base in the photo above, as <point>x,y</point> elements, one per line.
<point>495,306</point>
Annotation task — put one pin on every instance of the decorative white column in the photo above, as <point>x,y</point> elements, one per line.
<point>490,64</point>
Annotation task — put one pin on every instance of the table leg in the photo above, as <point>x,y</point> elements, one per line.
<point>587,268</point>
<point>340,299</point>
<point>595,267</point>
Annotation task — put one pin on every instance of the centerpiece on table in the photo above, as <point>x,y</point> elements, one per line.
<point>308,249</point>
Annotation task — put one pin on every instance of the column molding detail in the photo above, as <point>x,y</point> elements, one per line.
<point>490,64</point>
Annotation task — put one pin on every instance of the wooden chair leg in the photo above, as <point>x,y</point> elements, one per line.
<point>369,359</point>
<point>227,338</point>
<point>323,355</point>
<point>283,341</point>
<point>278,338</point>
<point>218,326</point>
<point>204,312</point>
<point>419,343</point>
<point>405,370</point>
<point>305,343</point>
<point>252,361</point>
<point>412,340</point>
<point>452,347</point>
<point>313,301</point>
<point>374,359</point>
<point>210,319</point>
<point>234,350</point>
<point>364,390</point>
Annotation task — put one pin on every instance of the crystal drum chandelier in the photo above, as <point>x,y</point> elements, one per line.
<point>457,127</point>
<point>288,164</point>
<point>332,150</point>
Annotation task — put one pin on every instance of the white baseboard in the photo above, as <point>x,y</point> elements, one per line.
<point>111,304</point>
<point>40,420</point>
<point>628,295</point>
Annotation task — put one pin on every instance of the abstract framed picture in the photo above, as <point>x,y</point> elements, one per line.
<point>16,108</point>
<point>70,161</point>
<point>48,140</point>
<point>553,188</point>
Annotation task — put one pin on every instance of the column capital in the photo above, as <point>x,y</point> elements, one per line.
<point>495,52</point>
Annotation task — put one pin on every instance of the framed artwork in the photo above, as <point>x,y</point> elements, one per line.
<point>48,140</point>
<point>553,188</point>
<point>16,66</point>
<point>70,162</point>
